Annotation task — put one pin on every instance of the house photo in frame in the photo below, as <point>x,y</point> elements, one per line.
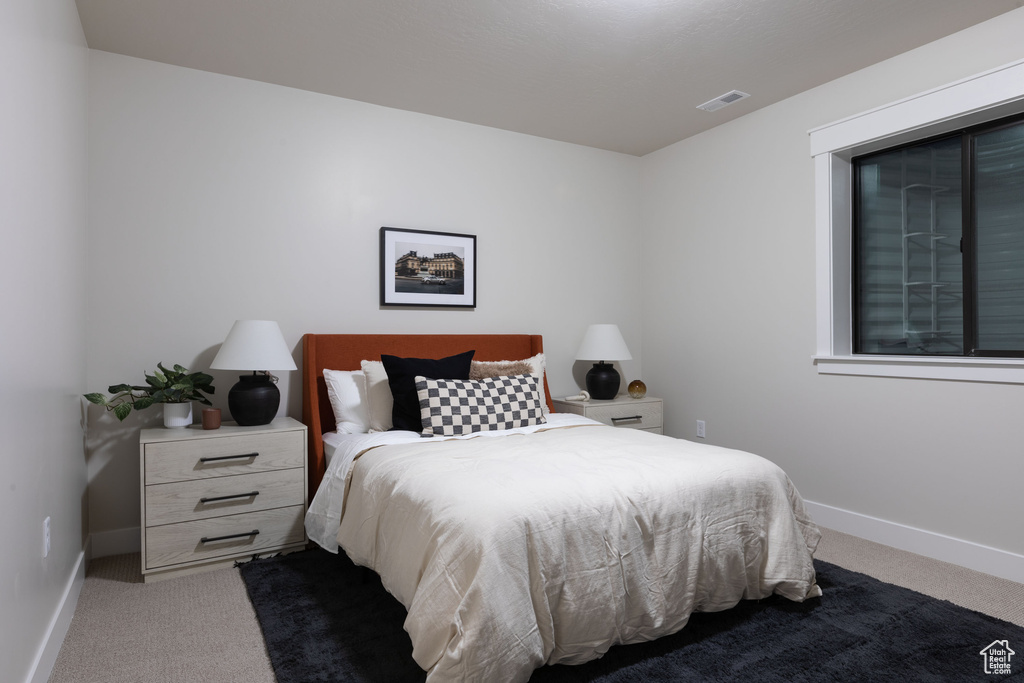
<point>424,268</point>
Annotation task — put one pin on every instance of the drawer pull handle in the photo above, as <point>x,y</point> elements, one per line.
<point>229,457</point>
<point>205,539</point>
<point>637,418</point>
<point>251,494</point>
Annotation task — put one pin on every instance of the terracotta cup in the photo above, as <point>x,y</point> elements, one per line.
<point>211,418</point>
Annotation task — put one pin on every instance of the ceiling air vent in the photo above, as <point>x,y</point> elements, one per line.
<point>723,100</point>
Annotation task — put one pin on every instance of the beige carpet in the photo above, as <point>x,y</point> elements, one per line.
<point>974,590</point>
<point>198,628</point>
<point>202,627</point>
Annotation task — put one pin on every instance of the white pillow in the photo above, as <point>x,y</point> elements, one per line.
<point>347,391</point>
<point>379,402</point>
<point>534,365</point>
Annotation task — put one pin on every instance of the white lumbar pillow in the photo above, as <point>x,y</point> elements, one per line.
<point>379,400</point>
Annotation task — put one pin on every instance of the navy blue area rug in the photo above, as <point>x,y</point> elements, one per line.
<point>324,619</point>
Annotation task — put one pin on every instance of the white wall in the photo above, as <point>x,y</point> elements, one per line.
<point>42,342</point>
<point>215,198</point>
<point>194,175</point>
<point>729,325</point>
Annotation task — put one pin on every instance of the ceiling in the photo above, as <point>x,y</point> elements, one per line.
<point>621,75</point>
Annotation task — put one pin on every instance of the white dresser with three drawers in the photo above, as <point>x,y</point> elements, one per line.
<point>210,497</point>
<point>622,411</point>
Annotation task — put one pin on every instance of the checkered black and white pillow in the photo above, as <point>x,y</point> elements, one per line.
<point>450,407</point>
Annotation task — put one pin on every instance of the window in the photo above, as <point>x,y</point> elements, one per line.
<point>938,245</point>
<point>928,116</point>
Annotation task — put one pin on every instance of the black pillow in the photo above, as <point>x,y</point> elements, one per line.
<point>402,374</point>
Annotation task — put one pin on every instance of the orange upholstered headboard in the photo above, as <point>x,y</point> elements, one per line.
<point>346,351</point>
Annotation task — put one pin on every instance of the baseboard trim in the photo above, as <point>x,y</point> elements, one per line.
<point>116,542</point>
<point>982,558</point>
<point>46,657</point>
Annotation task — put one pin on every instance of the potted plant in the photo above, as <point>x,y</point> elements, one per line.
<point>175,388</point>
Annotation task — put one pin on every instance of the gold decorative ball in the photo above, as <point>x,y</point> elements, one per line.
<point>637,389</point>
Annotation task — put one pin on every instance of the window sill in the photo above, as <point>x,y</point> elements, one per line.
<point>992,370</point>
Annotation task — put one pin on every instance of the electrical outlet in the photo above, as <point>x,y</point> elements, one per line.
<point>700,429</point>
<point>46,537</point>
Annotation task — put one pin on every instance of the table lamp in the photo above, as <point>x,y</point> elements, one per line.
<point>256,345</point>
<point>603,343</point>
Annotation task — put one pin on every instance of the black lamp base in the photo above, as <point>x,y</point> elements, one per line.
<point>603,381</point>
<point>254,400</point>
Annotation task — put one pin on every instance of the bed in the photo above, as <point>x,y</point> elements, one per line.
<point>544,543</point>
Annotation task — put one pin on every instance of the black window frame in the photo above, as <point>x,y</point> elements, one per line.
<point>968,241</point>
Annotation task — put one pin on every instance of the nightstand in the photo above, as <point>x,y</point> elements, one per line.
<point>210,497</point>
<point>622,411</point>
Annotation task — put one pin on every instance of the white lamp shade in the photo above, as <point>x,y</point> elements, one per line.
<point>603,342</point>
<point>254,345</point>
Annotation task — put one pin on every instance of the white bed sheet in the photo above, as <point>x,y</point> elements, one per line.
<point>324,515</point>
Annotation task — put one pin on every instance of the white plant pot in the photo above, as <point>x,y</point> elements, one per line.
<point>177,414</point>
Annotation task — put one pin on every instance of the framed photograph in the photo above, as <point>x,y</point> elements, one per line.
<point>423,268</point>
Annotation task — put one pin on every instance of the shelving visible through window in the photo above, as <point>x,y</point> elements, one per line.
<point>938,245</point>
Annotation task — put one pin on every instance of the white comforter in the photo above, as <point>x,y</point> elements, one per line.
<point>514,552</point>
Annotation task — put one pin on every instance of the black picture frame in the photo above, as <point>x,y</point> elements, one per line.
<point>425,268</point>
